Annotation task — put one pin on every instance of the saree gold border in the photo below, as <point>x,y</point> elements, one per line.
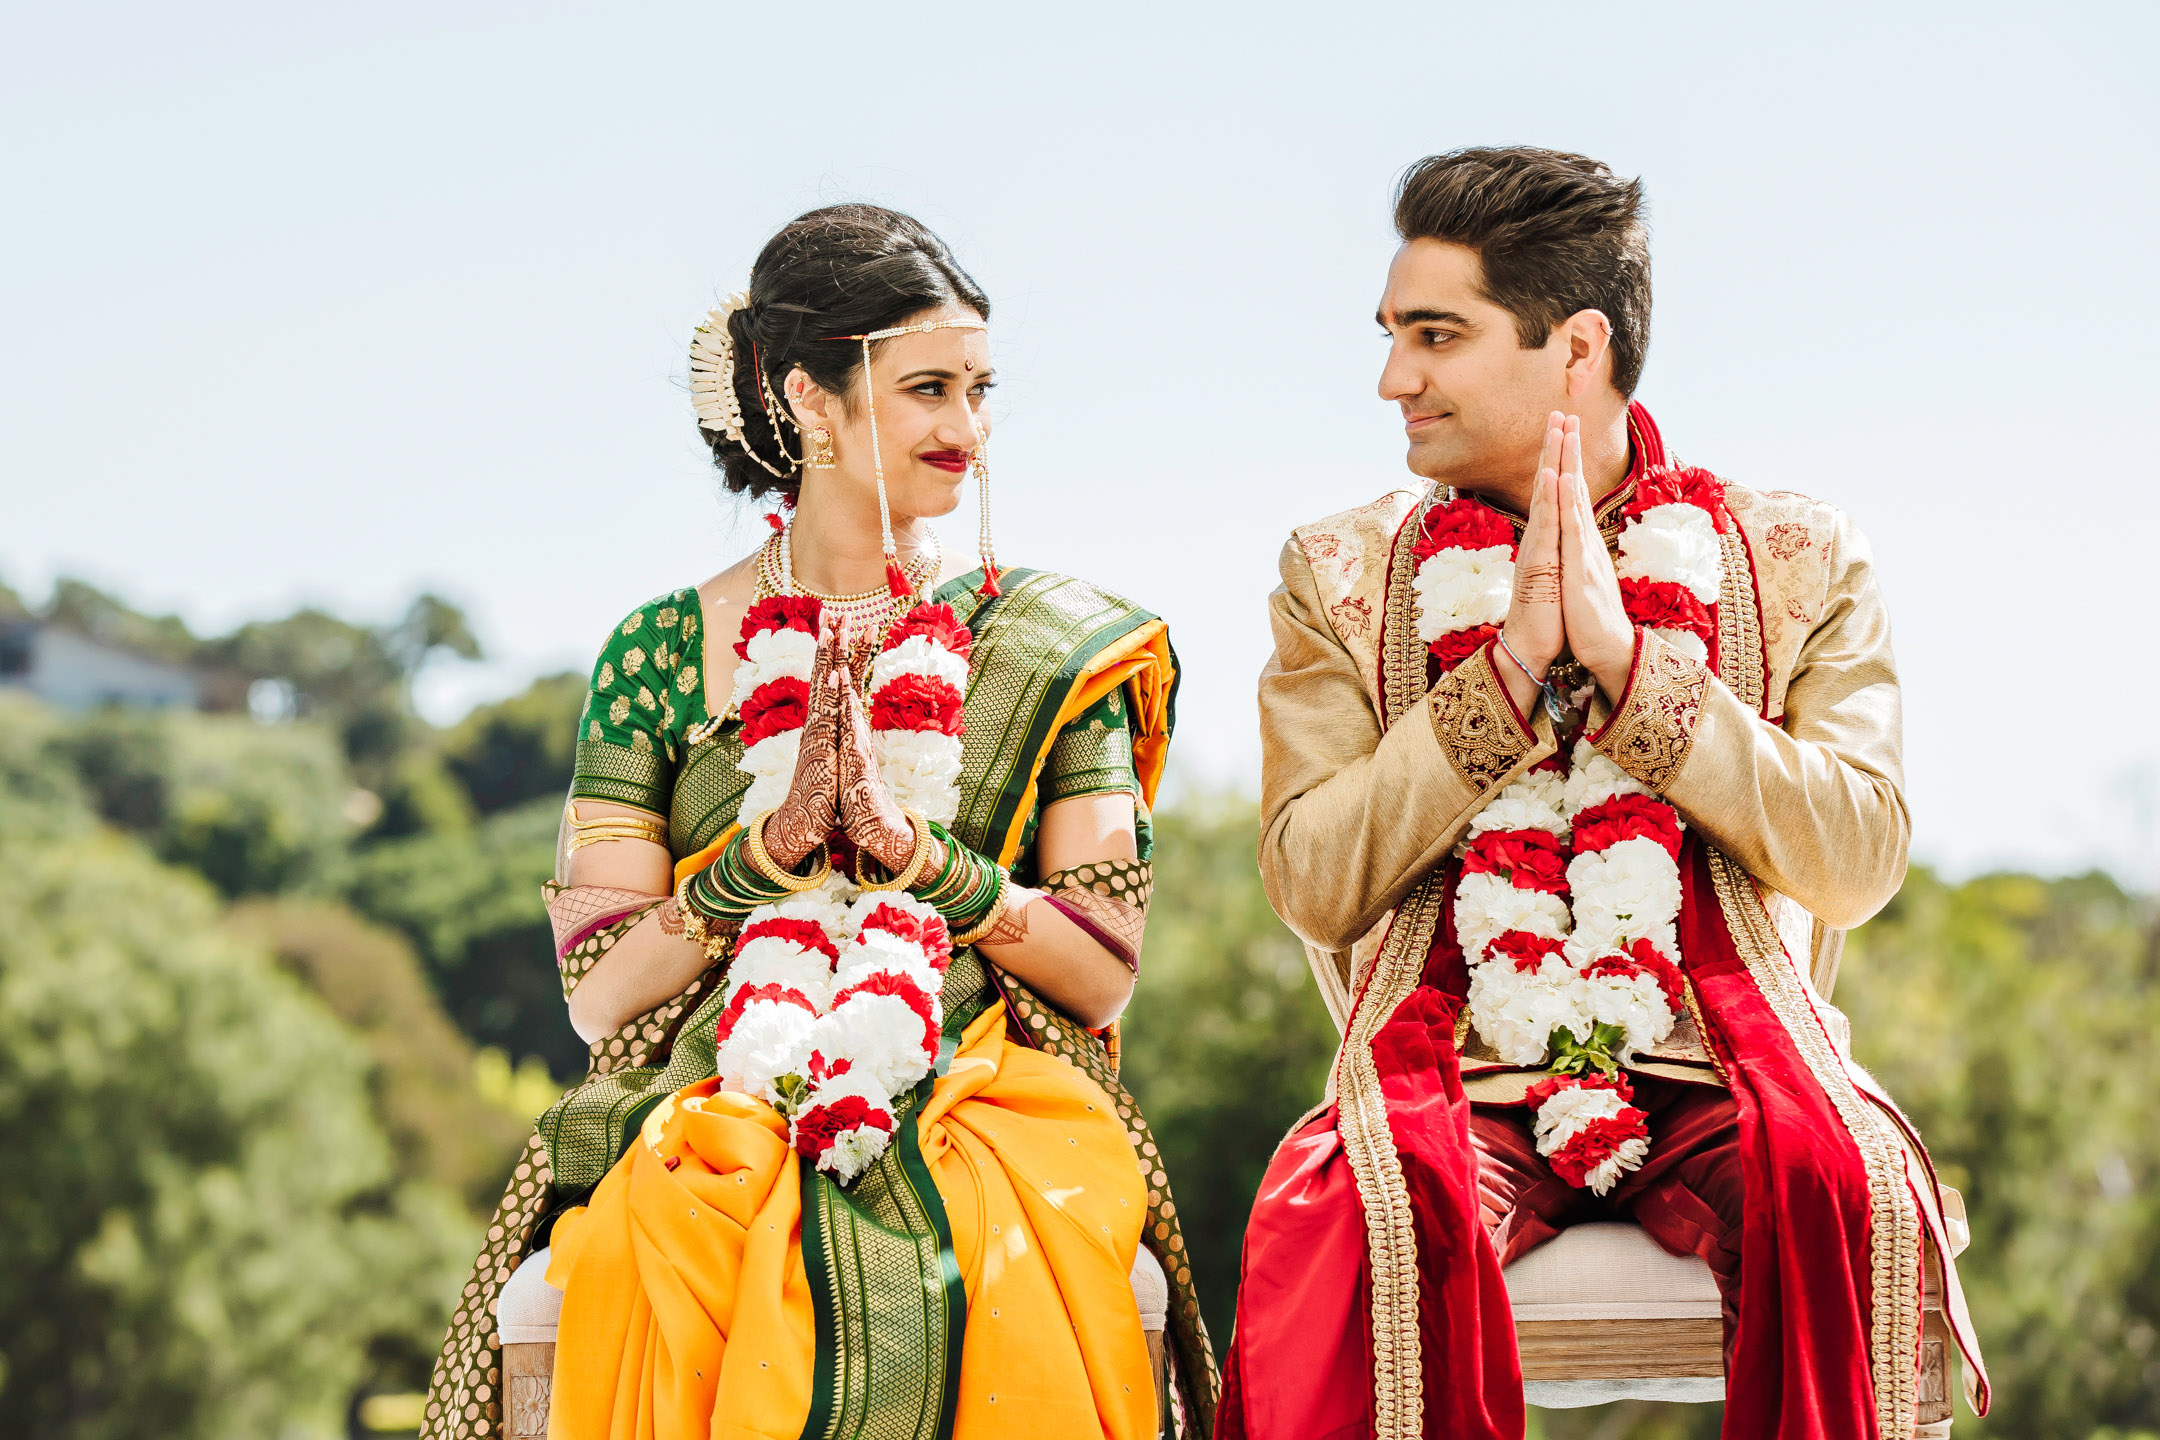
<point>1894,1228</point>
<point>1369,1146</point>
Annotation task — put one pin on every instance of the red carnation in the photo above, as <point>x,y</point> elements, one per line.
<point>806,933</point>
<point>1669,979</point>
<point>1627,817</point>
<point>929,933</point>
<point>781,612</point>
<point>938,624</point>
<point>1596,1143</point>
<point>1665,605</point>
<point>1528,951</point>
<point>780,704</point>
<point>1457,646</point>
<point>1530,859</point>
<point>819,1126</point>
<point>1552,1085</point>
<point>916,702</point>
<point>750,995</point>
<point>1681,485</point>
<point>890,982</point>
<point>1462,524</point>
<point>822,1069</point>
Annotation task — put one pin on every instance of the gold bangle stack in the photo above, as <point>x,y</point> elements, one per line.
<point>649,828</point>
<point>918,859</point>
<point>762,861</point>
<point>990,919</point>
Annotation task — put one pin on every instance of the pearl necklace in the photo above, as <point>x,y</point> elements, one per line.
<point>869,614</point>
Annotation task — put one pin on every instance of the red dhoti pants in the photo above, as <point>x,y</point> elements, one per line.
<point>1687,1195</point>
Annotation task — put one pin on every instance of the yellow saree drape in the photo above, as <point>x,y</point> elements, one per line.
<point>687,1311</point>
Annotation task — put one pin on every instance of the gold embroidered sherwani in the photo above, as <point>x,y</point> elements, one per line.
<point>1785,764</point>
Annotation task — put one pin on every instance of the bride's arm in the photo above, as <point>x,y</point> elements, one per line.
<point>1039,941</point>
<point>649,964</point>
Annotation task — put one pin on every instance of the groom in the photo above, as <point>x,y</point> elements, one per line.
<point>1577,765</point>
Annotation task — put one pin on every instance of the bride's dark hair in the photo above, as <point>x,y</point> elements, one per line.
<point>842,270</point>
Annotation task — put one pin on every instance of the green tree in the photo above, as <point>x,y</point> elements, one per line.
<point>1226,1042</point>
<point>201,1229</point>
<point>471,904</point>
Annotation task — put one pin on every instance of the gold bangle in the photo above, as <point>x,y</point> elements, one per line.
<point>990,919</point>
<point>649,828</point>
<point>918,859</point>
<point>761,860</point>
<point>694,927</point>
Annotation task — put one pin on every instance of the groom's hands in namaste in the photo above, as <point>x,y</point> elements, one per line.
<point>1536,627</point>
<point>1567,595</point>
<point>1599,633</point>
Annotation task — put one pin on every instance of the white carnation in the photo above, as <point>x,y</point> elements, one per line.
<point>1531,801</point>
<point>1628,1155</point>
<point>1603,934</point>
<point>1563,1117</point>
<point>919,655</point>
<point>1516,1011</point>
<point>1677,543</point>
<point>1636,1003</point>
<point>882,1035</point>
<point>1596,779</point>
<point>876,950</point>
<point>771,765</point>
<point>826,907</point>
<point>770,1039</point>
<point>922,768</point>
<point>769,655</point>
<point>1624,891</point>
<point>1487,906</point>
<point>1457,589</point>
<point>772,960</point>
<point>1687,642</point>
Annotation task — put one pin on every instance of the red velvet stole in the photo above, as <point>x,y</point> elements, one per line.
<point>1800,1364</point>
<point>1301,1364</point>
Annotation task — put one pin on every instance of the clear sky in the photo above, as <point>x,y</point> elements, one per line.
<point>332,303</point>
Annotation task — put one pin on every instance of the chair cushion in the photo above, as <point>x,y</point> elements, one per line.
<point>529,1310</point>
<point>1609,1270</point>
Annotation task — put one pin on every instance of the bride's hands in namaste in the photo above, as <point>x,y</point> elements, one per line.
<point>1599,633</point>
<point>869,811</point>
<point>811,810</point>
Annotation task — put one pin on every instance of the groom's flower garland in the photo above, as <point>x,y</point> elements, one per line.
<point>1570,886</point>
<point>833,1002</point>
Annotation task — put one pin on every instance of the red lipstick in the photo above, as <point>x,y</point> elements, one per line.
<point>955,461</point>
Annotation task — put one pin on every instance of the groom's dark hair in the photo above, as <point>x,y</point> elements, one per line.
<point>1555,233</point>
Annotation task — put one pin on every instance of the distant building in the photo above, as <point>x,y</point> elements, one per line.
<point>74,672</point>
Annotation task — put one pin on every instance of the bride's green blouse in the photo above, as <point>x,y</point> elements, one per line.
<point>648,701</point>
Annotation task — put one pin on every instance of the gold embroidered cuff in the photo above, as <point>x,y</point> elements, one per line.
<point>1651,729</point>
<point>1476,723</point>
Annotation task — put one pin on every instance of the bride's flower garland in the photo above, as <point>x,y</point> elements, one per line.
<point>1570,886</point>
<point>833,1002</point>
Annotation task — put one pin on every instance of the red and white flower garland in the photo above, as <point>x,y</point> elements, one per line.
<point>1569,893</point>
<point>833,1002</point>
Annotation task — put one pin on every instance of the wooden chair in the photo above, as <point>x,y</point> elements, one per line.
<point>1649,1328</point>
<point>529,1311</point>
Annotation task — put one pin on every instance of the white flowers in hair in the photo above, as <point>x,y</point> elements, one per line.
<point>712,371</point>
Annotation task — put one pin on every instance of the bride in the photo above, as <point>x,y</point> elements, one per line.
<point>850,896</point>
